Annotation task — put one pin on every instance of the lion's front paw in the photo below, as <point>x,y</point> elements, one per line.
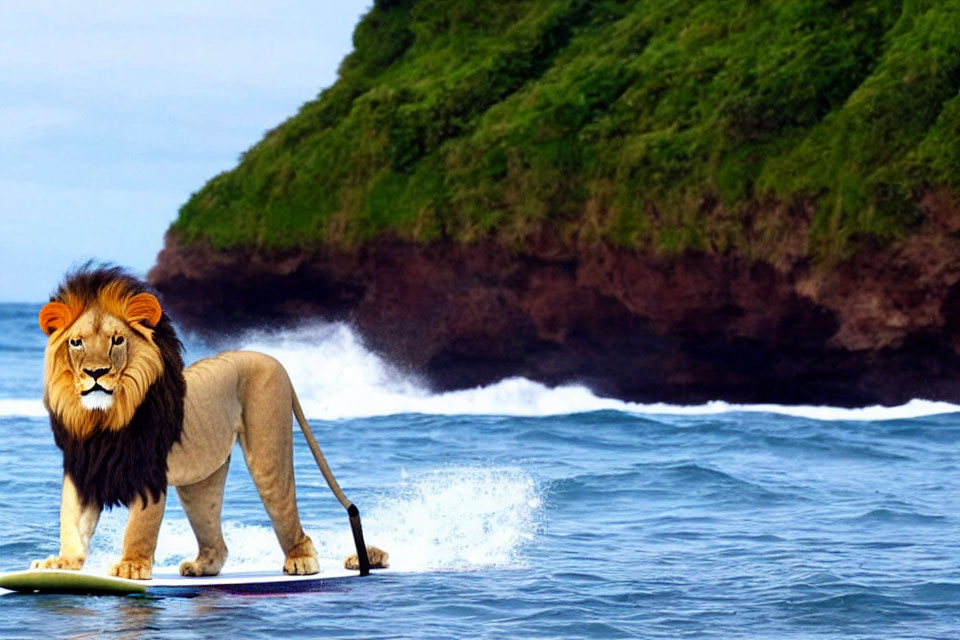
<point>379,559</point>
<point>133,569</point>
<point>58,562</point>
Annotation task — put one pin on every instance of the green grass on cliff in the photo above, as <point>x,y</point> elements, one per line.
<point>660,125</point>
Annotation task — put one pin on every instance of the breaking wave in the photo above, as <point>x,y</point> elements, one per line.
<point>337,377</point>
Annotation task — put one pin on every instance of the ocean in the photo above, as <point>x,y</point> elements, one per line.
<point>520,511</point>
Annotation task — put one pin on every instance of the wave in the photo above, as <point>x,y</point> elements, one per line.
<point>900,518</point>
<point>337,377</point>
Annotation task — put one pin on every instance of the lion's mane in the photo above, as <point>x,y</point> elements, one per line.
<point>111,466</point>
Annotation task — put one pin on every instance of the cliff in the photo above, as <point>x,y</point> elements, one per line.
<point>680,203</point>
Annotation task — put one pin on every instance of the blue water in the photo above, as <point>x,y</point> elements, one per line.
<point>517,511</point>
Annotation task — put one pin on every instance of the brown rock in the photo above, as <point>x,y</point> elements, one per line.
<point>880,327</point>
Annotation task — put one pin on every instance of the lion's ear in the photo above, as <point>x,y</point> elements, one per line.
<point>53,316</point>
<point>144,307</point>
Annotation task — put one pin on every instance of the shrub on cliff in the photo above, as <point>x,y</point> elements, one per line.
<point>655,125</point>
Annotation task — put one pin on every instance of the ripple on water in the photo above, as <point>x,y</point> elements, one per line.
<point>937,593</point>
<point>894,517</point>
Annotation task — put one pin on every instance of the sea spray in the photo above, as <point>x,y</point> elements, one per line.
<point>457,518</point>
<point>335,375</point>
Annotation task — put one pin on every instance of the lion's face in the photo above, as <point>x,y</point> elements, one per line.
<point>98,345</point>
<point>100,360</point>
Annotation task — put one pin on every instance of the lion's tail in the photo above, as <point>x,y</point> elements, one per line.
<point>318,454</point>
<point>351,508</point>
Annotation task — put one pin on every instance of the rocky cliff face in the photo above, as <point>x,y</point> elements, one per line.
<point>664,201</point>
<point>882,326</point>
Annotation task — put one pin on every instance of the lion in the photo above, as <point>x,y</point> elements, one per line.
<point>131,421</point>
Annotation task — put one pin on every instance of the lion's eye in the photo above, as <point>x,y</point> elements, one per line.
<point>76,342</point>
<point>117,340</point>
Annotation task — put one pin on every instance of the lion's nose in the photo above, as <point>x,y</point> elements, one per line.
<point>96,373</point>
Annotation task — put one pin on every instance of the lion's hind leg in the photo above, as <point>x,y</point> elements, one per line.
<point>203,503</point>
<point>271,466</point>
<point>267,444</point>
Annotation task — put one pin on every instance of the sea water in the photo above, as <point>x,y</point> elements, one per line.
<point>520,511</point>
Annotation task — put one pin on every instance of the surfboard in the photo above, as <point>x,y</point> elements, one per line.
<point>171,583</point>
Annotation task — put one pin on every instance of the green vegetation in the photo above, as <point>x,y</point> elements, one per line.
<point>650,124</point>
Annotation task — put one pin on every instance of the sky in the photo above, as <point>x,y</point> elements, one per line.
<point>113,113</point>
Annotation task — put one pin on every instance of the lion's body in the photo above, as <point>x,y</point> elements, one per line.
<point>247,397</point>
<point>131,421</point>
<point>219,390</point>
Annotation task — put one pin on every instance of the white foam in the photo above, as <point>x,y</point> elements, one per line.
<point>337,377</point>
<point>460,518</point>
<point>912,409</point>
<point>457,518</point>
<point>251,547</point>
<point>22,407</point>
<point>451,519</point>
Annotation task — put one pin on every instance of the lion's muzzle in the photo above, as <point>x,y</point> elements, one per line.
<point>96,397</point>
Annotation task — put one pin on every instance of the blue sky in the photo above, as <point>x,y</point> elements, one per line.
<point>113,113</point>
